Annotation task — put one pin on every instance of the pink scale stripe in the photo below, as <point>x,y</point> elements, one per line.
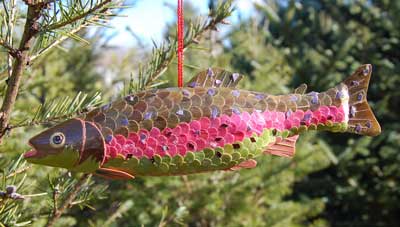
<point>216,132</point>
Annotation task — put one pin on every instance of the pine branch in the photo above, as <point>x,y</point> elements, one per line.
<point>67,203</point>
<point>60,109</point>
<point>55,43</point>
<point>70,19</point>
<point>9,23</point>
<point>54,34</point>
<point>12,179</point>
<point>119,212</point>
<point>163,55</point>
<point>73,192</point>
<point>74,18</point>
<point>30,30</point>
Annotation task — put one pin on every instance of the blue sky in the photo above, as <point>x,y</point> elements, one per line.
<point>147,19</point>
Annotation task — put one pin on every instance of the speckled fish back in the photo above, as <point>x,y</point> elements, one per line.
<point>166,108</point>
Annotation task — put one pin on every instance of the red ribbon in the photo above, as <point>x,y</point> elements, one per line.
<point>180,42</point>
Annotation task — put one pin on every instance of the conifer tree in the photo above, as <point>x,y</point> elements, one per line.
<point>323,40</point>
<point>51,70</point>
<point>46,26</point>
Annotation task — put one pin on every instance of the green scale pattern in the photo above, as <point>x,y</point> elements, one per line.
<point>209,159</point>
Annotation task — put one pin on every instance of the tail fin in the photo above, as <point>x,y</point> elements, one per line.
<point>361,118</point>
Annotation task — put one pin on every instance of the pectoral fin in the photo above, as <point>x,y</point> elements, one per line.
<point>114,174</point>
<point>248,164</point>
<point>285,147</point>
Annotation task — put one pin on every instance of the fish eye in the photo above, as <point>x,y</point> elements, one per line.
<point>57,140</point>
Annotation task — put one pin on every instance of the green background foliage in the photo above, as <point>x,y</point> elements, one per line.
<point>334,179</point>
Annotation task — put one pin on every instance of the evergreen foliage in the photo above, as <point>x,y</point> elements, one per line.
<point>334,180</point>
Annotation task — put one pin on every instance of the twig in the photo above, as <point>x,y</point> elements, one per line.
<point>63,37</point>
<point>73,31</point>
<point>60,109</point>
<point>18,171</point>
<point>21,55</point>
<point>194,40</point>
<point>48,120</point>
<point>55,198</point>
<point>9,36</point>
<point>187,184</point>
<point>35,195</point>
<point>56,43</point>
<point>68,201</point>
<point>21,58</point>
<point>77,17</point>
<point>118,213</point>
<point>7,46</point>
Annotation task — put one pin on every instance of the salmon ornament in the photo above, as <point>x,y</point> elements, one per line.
<point>206,126</point>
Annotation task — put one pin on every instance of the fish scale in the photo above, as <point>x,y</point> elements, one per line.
<point>205,126</point>
<point>195,104</point>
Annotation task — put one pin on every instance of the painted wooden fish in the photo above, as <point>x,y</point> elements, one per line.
<point>207,125</point>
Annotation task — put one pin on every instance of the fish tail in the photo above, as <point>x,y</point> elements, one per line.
<point>359,116</point>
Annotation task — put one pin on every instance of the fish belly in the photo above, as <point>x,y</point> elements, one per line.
<point>205,160</point>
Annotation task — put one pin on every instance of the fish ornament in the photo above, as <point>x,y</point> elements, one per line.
<point>205,126</point>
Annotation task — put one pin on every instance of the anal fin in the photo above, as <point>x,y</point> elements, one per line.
<point>285,147</point>
<point>114,174</point>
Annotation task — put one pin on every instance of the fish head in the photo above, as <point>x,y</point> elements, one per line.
<point>74,144</point>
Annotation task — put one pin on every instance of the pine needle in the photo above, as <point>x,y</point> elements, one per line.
<point>62,108</point>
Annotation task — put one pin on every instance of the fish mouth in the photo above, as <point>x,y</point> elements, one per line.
<point>33,153</point>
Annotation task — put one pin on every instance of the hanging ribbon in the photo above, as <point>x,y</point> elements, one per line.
<point>180,42</point>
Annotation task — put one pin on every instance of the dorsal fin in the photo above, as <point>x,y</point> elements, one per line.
<point>215,77</point>
<point>301,90</point>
